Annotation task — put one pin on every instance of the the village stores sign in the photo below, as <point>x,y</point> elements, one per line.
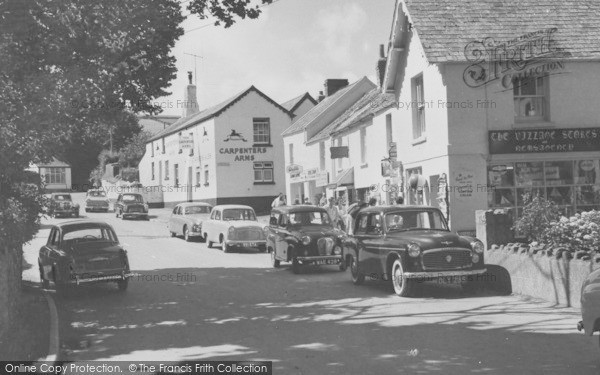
<point>544,140</point>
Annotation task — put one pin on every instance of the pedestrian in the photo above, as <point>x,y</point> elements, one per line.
<point>296,202</point>
<point>334,212</point>
<point>284,200</point>
<point>373,201</point>
<point>323,201</point>
<point>278,201</point>
<point>399,201</point>
<point>307,201</point>
<point>343,214</point>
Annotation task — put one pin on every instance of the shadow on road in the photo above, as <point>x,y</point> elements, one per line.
<point>318,322</point>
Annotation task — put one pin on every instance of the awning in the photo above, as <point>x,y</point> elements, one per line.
<point>344,178</point>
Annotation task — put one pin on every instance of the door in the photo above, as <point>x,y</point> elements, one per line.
<point>173,220</point>
<point>282,233</point>
<point>189,184</point>
<point>370,238</point>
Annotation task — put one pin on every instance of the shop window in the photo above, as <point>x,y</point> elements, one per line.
<point>530,96</point>
<point>418,97</point>
<point>363,145</point>
<point>529,174</point>
<point>152,169</point>
<point>56,176</point>
<point>176,174</point>
<point>262,131</point>
<point>263,172</point>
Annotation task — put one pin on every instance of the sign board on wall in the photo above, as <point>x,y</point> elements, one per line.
<point>544,140</point>
<point>186,142</point>
<point>339,152</point>
<point>293,169</point>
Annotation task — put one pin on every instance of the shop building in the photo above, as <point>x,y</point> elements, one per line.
<point>496,100</point>
<point>229,153</point>
<point>309,164</point>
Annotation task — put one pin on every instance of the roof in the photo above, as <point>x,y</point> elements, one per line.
<point>293,104</point>
<point>212,112</point>
<point>390,208</point>
<point>366,107</point>
<point>188,204</point>
<point>155,124</point>
<point>446,27</point>
<point>299,208</point>
<point>226,206</point>
<point>82,223</point>
<point>303,122</point>
<point>54,163</point>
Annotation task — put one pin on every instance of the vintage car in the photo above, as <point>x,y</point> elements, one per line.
<point>131,205</point>
<point>407,245</point>
<point>83,251</point>
<point>96,200</point>
<point>187,218</point>
<point>234,226</point>
<point>304,235</point>
<point>590,304</point>
<point>61,204</point>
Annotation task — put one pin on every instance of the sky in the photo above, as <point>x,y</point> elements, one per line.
<point>290,49</point>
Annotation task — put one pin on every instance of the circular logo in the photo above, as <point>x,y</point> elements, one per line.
<point>586,165</point>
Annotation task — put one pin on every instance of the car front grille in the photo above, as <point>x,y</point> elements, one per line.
<point>249,234</point>
<point>97,203</point>
<point>325,246</point>
<point>446,259</point>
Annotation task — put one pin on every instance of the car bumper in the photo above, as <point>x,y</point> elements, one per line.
<point>442,274</point>
<point>135,214</point>
<point>233,243</point>
<point>98,278</point>
<point>328,259</point>
<point>96,208</point>
<point>194,234</point>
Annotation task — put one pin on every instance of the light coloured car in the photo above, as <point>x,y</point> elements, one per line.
<point>234,226</point>
<point>187,218</point>
<point>96,200</point>
<point>590,304</point>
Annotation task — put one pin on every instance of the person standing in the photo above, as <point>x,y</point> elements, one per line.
<point>399,201</point>
<point>277,201</point>
<point>373,201</point>
<point>334,212</point>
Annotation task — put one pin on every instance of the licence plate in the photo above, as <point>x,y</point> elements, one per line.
<point>326,261</point>
<point>249,244</point>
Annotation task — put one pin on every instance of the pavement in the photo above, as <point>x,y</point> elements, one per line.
<point>190,302</point>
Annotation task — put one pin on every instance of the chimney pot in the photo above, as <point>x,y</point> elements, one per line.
<point>190,100</point>
<point>381,51</point>
<point>334,85</point>
<point>190,77</point>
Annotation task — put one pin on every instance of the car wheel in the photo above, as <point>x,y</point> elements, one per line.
<point>59,287</point>
<point>402,286</point>
<point>87,210</point>
<point>210,243</point>
<point>274,262</point>
<point>224,247</point>
<point>172,234</point>
<point>357,276</point>
<point>44,283</point>
<point>343,265</point>
<point>186,234</point>
<point>295,266</point>
<point>123,284</point>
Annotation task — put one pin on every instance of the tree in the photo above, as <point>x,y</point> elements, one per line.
<point>226,11</point>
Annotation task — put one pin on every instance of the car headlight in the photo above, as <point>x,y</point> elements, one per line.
<point>231,230</point>
<point>414,250</point>
<point>305,240</point>
<point>477,247</point>
<point>146,207</point>
<point>337,250</point>
<point>197,227</point>
<point>475,258</point>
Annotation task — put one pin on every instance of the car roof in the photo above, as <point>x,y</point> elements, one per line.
<point>386,209</point>
<point>224,206</point>
<point>298,208</point>
<point>188,204</point>
<point>82,223</point>
<point>131,194</point>
<point>53,194</point>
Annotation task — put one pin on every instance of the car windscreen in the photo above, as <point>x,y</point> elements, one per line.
<point>309,218</point>
<point>90,234</point>
<point>97,194</point>
<point>239,214</point>
<point>414,220</point>
<point>65,197</point>
<point>132,198</point>
<point>191,210</point>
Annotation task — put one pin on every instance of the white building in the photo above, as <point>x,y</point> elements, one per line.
<point>300,105</point>
<point>229,153</point>
<point>56,175</point>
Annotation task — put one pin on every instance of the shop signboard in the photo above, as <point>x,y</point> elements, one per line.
<point>544,140</point>
<point>294,169</point>
<point>322,179</point>
<point>186,142</point>
<point>339,152</point>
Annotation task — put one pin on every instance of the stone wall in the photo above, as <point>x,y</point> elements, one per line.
<point>10,284</point>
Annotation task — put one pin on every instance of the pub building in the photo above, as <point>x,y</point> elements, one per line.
<point>230,153</point>
<point>490,108</point>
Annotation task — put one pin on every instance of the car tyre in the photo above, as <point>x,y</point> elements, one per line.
<point>43,281</point>
<point>210,243</point>
<point>224,247</point>
<point>343,265</point>
<point>186,234</point>
<point>403,286</point>
<point>172,234</point>
<point>123,284</point>
<point>295,266</point>
<point>274,261</point>
<point>357,276</point>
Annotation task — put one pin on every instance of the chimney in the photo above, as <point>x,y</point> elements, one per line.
<point>334,85</point>
<point>321,96</point>
<point>190,102</point>
<point>381,63</point>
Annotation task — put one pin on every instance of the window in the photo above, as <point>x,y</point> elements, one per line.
<point>166,169</point>
<point>152,148</point>
<point>291,150</point>
<point>322,155</point>
<point>363,145</point>
<point>163,145</point>
<point>262,131</point>
<point>206,175</point>
<point>388,129</point>
<point>180,149</point>
<point>530,98</point>
<point>152,169</point>
<point>263,171</point>
<point>192,148</point>
<point>176,174</point>
<point>418,97</point>
<point>56,176</point>
<point>197,178</point>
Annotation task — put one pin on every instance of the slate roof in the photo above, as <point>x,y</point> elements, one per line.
<point>303,122</point>
<point>155,124</point>
<point>367,106</point>
<point>445,27</point>
<point>212,112</point>
<point>292,104</point>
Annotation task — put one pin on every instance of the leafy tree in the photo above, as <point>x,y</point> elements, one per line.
<point>226,11</point>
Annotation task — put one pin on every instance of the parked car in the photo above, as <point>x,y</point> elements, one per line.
<point>304,235</point>
<point>131,205</point>
<point>234,226</point>
<point>61,204</point>
<point>187,218</point>
<point>83,251</point>
<point>96,200</point>
<point>410,244</point>
<point>590,304</point>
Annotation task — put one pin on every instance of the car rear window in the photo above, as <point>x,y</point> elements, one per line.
<point>190,210</point>
<point>64,197</point>
<point>238,214</point>
<point>90,234</point>
<point>97,193</point>
<point>310,218</point>
<point>132,198</point>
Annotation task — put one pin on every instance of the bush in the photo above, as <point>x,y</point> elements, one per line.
<point>577,233</point>
<point>538,216</point>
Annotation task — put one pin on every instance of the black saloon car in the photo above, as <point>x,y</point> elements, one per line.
<point>61,204</point>
<point>411,244</point>
<point>131,205</point>
<point>83,251</point>
<point>303,235</point>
